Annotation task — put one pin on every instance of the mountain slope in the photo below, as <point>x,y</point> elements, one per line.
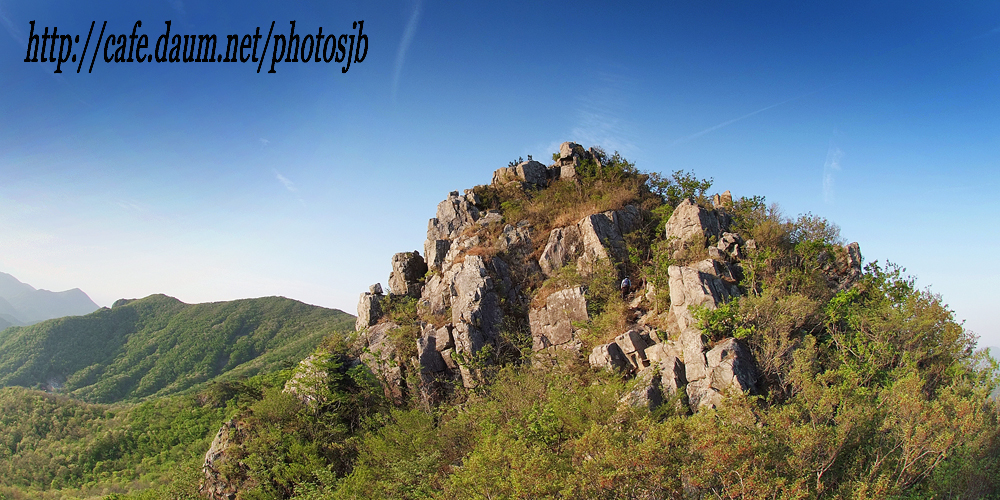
<point>159,345</point>
<point>28,305</point>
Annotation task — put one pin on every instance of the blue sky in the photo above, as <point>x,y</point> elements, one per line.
<point>209,181</point>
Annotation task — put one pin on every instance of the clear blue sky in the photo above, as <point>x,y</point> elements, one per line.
<point>209,181</point>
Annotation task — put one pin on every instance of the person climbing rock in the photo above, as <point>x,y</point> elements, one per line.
<point>626,286</point>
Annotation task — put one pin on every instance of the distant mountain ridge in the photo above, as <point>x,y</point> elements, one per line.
<point>159,345</point>
<point>23,304</point>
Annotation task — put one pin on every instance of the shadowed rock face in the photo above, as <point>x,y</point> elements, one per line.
<point>381,358</point>
<point>408,270</point>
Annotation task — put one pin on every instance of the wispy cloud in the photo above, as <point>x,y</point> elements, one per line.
<point>830,166</point>
<point>264,142</point>
<point>726,123</point>
<point>404,46</point>
<point>132,206</point>
<point>599,114</point>
<point>12,30</point>
<point>289,185</point>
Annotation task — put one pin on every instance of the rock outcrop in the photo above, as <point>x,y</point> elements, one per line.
<point>215,485</point>
<point>530,173</point>
<point>453,214</point>
<point>369,307</point>
<point>691,220</point>
<point>408,270</point>
<point>308,377</point>
<point>381,356</point>
<point>552,324</point>
<point>593,238</point>
<point>681,363</point>
<point>467,290</point>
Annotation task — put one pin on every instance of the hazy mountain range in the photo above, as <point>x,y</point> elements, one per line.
<point>23,304</point>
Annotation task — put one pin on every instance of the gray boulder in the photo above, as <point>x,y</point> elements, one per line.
<point>655,385</point>
<point>633,346</point>
<point>730,368</point>
<point>552,324</point>
<point>602,240</point>
<point>690,219</point>
<point>647,391</point>
<point>609,357</point>
<point>515,240</point>
<point>691,287</point>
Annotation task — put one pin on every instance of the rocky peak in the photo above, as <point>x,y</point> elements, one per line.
<point>408,270</point>
<point>479,270</point>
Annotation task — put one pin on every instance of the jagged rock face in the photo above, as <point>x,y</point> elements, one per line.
<point>408,270</point>
<point>690,219</point>
<point>552,324</point>
<point>369,308</point>
<point>529,172</point>
<point>214,485</point>
<point>732,366</point>
<point>648,392</point>
<point>381,358</point>
<point>430,345</point>
<point>724,201</point>
<point>564,244</point>
<point>435,356</point>
<point>601,240</point>
<point>634,347</point>
<point>720,269</point>
<point>470,289</point>
<point>595,237</point>
<point>475,307</point>
<point>691,287</point>
<point>729,366</point>
<point>515,240</point>
<point>452,216</point>
<point>571,154</point>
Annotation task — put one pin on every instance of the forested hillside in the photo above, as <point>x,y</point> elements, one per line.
<point>159,345</point>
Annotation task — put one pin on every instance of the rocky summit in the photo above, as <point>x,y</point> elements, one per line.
<point>586,330</point>
<point>480,271</point>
